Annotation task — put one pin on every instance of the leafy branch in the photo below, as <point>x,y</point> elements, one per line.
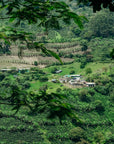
<point>52,103</point>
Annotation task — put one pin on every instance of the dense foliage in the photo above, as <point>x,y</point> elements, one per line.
<point>32,124</point>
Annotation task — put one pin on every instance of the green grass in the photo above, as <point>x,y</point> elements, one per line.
<point>96,67</point>
<point>51,86</point>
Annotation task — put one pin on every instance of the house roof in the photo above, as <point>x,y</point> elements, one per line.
<point>5,69</point>
<point>90,83</point>
<point>53,80</point>
<point>75,75</point>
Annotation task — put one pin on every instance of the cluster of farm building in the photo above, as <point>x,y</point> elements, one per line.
<point>75,80</point>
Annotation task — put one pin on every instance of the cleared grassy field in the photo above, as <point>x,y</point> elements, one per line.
<point>96,67</point>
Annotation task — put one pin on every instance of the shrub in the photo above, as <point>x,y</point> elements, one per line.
<point>88,71</point>
<point>69,55</point>
<point>53,70</point>
<point>105,80</point>
<point>34,69</point>
<point>76,134</point>
<point>1,114</point>
<point>101,89</point>
<point>27,77</point>
<point>43,88</point>
<point>83,95</point>
<point>72,72</point>
<point>91,92</point>
<point>99,106</point>
<point>26,85</point>
<point>20,80</point>
<point>23,71</point>
<point>82,65</point>
<point>35,63</point>
<point>43,79</point>
<point>112,97</point>
<point>83,62</point>
<point>41,72</point>
<point>58,90</point>
<point>90,79</point>
<point>84,47</point>
<point>99,137</point>
<point>7,82</point>
<point>2,76</point>
<point>36,77</point>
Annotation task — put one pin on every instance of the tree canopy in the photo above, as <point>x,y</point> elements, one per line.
<point>97,4</point>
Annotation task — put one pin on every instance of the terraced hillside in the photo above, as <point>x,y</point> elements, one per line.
<point>30,56</point>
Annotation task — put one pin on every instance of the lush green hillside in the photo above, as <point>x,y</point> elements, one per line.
<point>94,107</point>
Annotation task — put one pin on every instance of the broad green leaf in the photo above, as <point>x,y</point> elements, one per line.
<point>78,22</point>
<point>84,18</point>
<point>55,55</point>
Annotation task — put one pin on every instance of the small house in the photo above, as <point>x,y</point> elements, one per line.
<point>64,80</point>
<point>90,84</point>
<point>66,76</point>
<point>59,71</point>
<point>3,70</point>
<point>54,80</point>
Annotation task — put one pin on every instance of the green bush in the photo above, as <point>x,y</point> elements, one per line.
<point>112,97</point>
<point>58,90</point>
<point>34,69</point>
<point>83,95</point>
<point>43,79</point>
<point>41,72</point>
<point>76,134</point>
<point>91,92</point>
<point>82,65</point>
<point>2,76</point>
<point>20,80</point>
<point>99,137</point>
<point>83,62</point>
<point>99,106</point>
<point>23,71</point>
<point>88,71</point>
<point>35,63</point>
<point>27,77</point>
<point>101,89</point>
<point>72,72</point>
<point>43,88</point>
<point>84,47</point>
<point>26,85</point>
<point>36,77</point>
<point>105,80</point>
<point>53,70</point>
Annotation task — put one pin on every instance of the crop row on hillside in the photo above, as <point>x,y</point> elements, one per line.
<point>62,45</point>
